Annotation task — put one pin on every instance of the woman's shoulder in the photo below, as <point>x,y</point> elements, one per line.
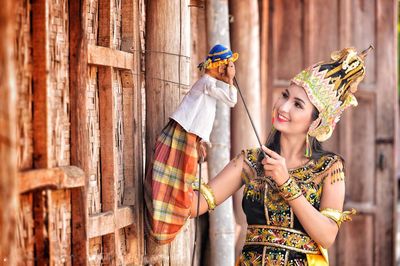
<point>326,161</point>
<point>330,165</point>
<point>252,159</point>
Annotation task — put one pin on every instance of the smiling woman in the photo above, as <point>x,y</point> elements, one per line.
<point>293,198</point>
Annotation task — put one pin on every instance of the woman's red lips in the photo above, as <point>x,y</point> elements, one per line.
<point>280,119</point>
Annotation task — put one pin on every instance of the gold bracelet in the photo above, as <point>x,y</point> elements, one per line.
<point>289,190</point>
<point>207,193</point>
<point>337,216</point>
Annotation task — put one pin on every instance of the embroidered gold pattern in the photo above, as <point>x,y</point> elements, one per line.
<point>289,190</point>
<point>281,237</point>
<point>278,236</point>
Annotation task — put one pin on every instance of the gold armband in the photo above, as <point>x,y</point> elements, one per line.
<point>207,193</point>
<point>338,216</point>
<point>289,190</point>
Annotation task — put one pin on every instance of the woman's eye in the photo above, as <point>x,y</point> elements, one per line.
<point>285,95</point>
<point>298,105</point>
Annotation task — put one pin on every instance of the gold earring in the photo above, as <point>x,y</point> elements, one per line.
<point>308,152</point>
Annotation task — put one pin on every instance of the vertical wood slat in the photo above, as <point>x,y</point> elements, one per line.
<point>23,58</point>
<point>40,134</point>
<point>79,147</point>
<point>108,152</point>
<point>264,43</point>
<point>386,130</point>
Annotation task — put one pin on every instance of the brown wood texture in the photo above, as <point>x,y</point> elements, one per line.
<point>264,68</point>
<point>40,112</point>
<point>23,59</point>
<point>113,117</point>
<point>8,140</point>
<point>167,81</point>
<point>306,32</point>
<point>56,178</point>
<point>79,136</point>
<point>25,230</point>
<point>245,26</point>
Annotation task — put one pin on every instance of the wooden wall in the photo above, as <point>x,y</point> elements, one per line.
<point>80,85</point>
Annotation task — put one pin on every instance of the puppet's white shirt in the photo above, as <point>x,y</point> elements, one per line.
<point>196,112</point>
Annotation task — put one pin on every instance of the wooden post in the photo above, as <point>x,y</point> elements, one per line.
<point>222,229</point>
<point>8,152</point>
<point>167,81</point>
<point>79,147</point>
<point>246,41</point>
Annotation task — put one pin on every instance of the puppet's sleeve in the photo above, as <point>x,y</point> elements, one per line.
<point>226,94</point>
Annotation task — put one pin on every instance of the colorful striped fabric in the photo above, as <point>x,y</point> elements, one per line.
<point>168,192</point>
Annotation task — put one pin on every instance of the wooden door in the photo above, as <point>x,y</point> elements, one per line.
<point>304,32</point>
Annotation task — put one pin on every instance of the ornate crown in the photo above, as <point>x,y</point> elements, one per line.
<point>330,87</point>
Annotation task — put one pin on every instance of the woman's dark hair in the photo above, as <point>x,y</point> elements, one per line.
<point>274,143</point>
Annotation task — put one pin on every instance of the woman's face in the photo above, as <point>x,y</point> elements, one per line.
<point>293,110</point>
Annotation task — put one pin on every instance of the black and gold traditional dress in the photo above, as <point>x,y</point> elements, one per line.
<point>275,235</point>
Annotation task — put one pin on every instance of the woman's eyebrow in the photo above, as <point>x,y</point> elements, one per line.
<point>296,98</point>
<point>300,100</point>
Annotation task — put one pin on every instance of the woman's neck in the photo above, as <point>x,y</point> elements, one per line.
<point>292,149</point>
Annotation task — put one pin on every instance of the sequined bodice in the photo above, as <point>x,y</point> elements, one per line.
<point>264,206</point>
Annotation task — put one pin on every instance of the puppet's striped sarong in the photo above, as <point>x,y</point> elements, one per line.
<point>168,192</point>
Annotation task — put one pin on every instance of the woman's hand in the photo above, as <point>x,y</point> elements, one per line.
<point>275,166</point>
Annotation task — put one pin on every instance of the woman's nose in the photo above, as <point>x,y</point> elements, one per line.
<point>285,107</point>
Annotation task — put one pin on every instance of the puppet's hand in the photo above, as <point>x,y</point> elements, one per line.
<point>230,72</point>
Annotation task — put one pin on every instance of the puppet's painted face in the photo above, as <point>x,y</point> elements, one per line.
<point>292,113</point>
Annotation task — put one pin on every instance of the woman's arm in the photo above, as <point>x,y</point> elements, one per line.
<point>227,182</point>
<point>320,228</point>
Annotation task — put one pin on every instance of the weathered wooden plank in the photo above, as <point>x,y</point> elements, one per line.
<point>107,118</point>
<point>23,67</point>
<point>40,110</point>
<point>57,83</point>
<point>264,68</point>
<point>79,136</point>
<point>41,227</point>
<point>133,251</point>
<point>57,178</point>
<point>104,56</point>
<point>101,224</point>
<point>25,228</point>
<point>59,226</point>
<point>107,223</point>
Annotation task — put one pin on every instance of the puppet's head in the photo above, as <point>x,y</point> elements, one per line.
<point>330,86</point>
<point>218,55</point>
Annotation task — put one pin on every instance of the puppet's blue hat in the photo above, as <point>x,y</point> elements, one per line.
<point>217,56</point>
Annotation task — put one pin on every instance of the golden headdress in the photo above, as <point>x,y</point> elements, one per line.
<point>330,87</point>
